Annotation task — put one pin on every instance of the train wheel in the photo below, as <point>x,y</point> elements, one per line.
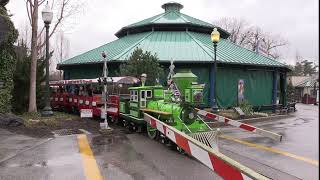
<point>112,119</point>
<point>115,120</point>
<point>180,150</point>
<point>152,132</point>
<point>172,145</point>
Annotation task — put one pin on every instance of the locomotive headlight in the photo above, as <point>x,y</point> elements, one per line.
<point>197,96</point>
<point>191,115</point>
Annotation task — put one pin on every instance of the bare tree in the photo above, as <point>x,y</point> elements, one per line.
<point>62,49</point>
<point>255,35</point>
<point>32,9</point>
<point>64,9</point>
<point>271,43</point>
<point>239,29</point>
<point>298,57</point>
<point>24,33</point>
<point>249,36</point>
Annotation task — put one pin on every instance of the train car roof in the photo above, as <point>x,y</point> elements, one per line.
<point>118,80</point>
<point>146,87</point>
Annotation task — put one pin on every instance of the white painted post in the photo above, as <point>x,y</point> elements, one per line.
<point>105,125</point>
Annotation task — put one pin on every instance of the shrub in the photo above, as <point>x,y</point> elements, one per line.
<point>246,107</point>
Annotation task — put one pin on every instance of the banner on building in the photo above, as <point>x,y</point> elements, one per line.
<point>240,90</point>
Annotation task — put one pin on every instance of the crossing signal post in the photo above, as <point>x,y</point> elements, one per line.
<point>105,125</point>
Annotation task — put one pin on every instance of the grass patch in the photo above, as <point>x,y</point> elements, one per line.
<point>229,113</point>
<point>232,114</point>
<point>34,120</point>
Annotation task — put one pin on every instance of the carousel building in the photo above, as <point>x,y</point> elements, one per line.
<point>186,40</point>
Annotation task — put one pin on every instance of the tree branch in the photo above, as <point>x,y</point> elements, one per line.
<point>60,18</point>
<point>29,11</point>
<point>41,2</point>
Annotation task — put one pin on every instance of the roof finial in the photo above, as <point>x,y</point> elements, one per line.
<point>172,6</point>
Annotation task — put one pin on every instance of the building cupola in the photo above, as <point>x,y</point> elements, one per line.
<point>172,6</point>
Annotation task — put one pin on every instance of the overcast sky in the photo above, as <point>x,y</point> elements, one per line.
<point>295,20</point>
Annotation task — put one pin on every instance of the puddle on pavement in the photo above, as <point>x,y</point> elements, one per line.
<point>304,120</point>
<point>40,164</point>
<point>58,161</point>
<point>261,140</point>
<point>64,160</point>
<point>299,122</point>
<point>271,127</point>
<point>131,163</point>
<point>116,137</point>
<point>116,152</point>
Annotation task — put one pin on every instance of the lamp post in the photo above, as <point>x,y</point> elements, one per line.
<point>215,37</point>
<point>47,18</point>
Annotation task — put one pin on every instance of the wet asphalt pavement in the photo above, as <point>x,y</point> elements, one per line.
<point>134,156</point>
<point>300,138</point>
<point>123,156</point>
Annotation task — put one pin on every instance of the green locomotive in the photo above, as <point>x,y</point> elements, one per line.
<point>174,106</point>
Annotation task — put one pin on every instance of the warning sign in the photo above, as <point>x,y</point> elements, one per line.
<point>86,113</point>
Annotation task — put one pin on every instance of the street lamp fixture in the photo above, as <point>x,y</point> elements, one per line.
<point>47,15</point>
<point>215,38</point>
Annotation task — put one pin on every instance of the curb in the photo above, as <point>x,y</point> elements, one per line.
<point>254,120</point>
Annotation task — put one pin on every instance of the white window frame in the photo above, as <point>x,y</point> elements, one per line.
<point>143,101</point>
<point>134,95</point>
<point>147,93</point>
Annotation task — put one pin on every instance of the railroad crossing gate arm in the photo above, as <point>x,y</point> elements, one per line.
<point>224,166</point>
<point>238,124</point>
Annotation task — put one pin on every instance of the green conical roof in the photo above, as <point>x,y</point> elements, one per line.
<point>171,19</point>
<point>172,35</point>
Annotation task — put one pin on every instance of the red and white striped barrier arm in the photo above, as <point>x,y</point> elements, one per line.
<point>238,124</point>
<point>224,166</point>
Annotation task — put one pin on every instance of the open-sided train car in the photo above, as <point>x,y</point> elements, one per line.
<point>77,94</point>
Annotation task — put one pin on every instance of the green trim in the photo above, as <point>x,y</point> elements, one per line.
<point>134,113</point>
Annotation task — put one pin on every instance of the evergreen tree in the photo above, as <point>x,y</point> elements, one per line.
<point>142,62</point>
<point>298,69</point>
<point>308,68</point>
<point>8,36</point>
<point>21,80</point>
